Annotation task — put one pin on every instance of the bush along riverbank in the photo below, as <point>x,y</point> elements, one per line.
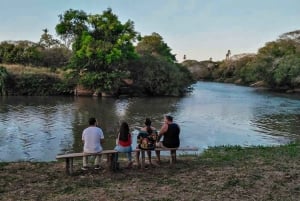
<point>220,173</point>
<point>16,80</point>
<point>276,66</point>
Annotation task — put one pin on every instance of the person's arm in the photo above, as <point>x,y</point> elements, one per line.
<point>82,137</point>
<point>163,129</point>
<point>101,137</point>
<point>117,139</point>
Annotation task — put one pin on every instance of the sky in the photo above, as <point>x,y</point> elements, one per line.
<point>199,29</point>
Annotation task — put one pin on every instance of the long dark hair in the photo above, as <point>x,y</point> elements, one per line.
<point>148,125</point>
<point>124,131</point>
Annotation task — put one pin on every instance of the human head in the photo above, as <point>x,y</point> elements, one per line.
<point>168,118</point>
<point>124,128</point>
<point>92,121</point>
<point>148,122</point>
<point>124,131</point>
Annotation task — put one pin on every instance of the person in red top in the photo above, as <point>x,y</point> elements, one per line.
<point>123,142</point>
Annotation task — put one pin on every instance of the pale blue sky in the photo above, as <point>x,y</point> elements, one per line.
<point>198,28</point>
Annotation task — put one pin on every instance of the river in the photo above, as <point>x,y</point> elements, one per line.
<point>39,128</point>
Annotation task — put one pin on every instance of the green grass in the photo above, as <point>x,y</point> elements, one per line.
<point>220,173</point>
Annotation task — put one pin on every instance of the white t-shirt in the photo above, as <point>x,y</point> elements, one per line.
<point>91,137</point>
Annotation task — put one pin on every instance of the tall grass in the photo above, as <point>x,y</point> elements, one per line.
<point>19,70</point>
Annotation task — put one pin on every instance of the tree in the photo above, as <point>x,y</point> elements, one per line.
<point>101,43</point>
<point>293,35</point>
<point>228,55</point>
<point>159,77</point>
<point>155,46</point>
<point>156,72</point>
<point>47,41</point>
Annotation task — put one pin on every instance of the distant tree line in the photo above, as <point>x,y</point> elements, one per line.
<point>276,65</point>
<point>48,52</point>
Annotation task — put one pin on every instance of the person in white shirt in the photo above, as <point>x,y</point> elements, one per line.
<point>92,138</point>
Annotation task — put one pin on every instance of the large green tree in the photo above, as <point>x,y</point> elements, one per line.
<point>156,72</point>
<point>101,46</point>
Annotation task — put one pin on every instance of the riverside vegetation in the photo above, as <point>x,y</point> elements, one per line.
<point>95,52</point>
<point>276,66</point>
<point>220,173</point>
<point>98,53</point>
<point>101,57</point>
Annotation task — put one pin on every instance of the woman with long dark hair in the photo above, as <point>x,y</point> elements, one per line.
<point>123,142</point>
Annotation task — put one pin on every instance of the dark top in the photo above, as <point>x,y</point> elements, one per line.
<point>171,137</point>
<point>146,141</point>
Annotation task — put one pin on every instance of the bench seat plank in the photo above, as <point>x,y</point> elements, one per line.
<point>81,154</point>
<point>111,156</point>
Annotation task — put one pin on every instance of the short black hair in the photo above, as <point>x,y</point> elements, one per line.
<point>169,118</point>
<point>92,121</point>
<point>148,122</point>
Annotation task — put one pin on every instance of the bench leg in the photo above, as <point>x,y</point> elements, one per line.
<point>112,161</point>
<point>69,166</point>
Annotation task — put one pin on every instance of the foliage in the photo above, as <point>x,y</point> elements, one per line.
<point>154,45</point>
<point>292,35</point>
<point>102,81</point>
<point>101,46</point>
<point>19,52</point>
<point>156,72</point>
<point>235,69</point>
<point>37,81</point>
<point>53,53</point>
<point>39,85</point>
<point>55,57</point>
<point>4,76</point>
<point>47,41</point>
<point>156,76</point>
<point>272,59</point>
<point>48,52</point>
<point>277,64</point>
<point>102,55</point>
<point>288,71</point>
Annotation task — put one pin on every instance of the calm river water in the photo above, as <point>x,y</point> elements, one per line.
<point>39,128</point>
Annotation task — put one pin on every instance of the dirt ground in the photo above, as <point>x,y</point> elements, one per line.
<point>219,174</point>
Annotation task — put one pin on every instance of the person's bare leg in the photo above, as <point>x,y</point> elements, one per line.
<point>173,156</point>
<point>149,157</point>
<point>138,158</point>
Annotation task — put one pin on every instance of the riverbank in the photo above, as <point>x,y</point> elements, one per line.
<point>221,173</point>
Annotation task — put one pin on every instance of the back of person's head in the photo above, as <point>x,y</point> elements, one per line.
<point>148,124</point>
<point>124,131</point>
<point>92,121</point>
<point>169,118</point>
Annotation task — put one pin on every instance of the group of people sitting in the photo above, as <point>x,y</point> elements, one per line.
<point>148,139</point>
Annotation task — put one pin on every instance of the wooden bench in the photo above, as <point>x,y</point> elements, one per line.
<point>111,159</point>
<point>172,153</point>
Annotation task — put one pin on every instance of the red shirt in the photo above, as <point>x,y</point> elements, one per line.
<point>125,143</point>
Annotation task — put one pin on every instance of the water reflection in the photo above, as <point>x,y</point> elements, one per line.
<point>38,128</point>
